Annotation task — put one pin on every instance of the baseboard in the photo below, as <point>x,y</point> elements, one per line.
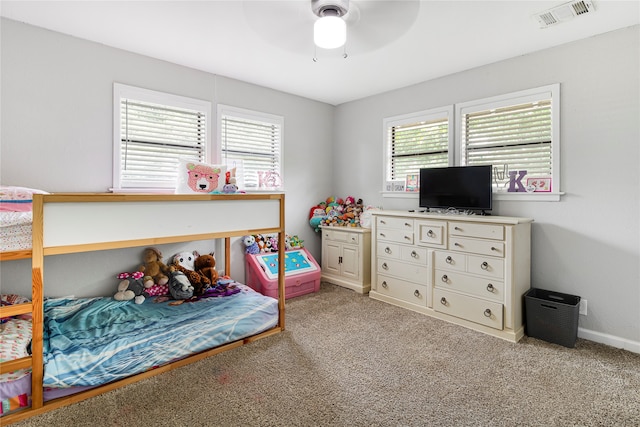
<point>612,340</point>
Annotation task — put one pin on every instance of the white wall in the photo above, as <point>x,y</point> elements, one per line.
<point>587,244</point>
<point>56,129</point>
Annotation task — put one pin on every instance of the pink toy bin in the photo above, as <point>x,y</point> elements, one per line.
<point>302,273</point>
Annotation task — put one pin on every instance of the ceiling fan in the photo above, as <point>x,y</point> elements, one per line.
<point>369,25</point>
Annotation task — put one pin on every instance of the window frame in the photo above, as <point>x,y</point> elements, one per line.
<point>122,91</point>
<point>515,98</point>
<point>411,118</point>
<point>455,141</point>
<point>253,115</point>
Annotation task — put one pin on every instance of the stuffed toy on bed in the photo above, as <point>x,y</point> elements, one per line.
<point>185,263</point>
<point>179,286</point>
<point>131,287</point>
<point>155,271</point>
<point>205,265</point>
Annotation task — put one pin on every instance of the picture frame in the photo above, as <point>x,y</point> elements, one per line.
<point>541,184</point>
<point>412,183</point>
<point>398,185</point>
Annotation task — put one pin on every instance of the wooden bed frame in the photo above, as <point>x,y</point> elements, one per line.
<point>72,223</point>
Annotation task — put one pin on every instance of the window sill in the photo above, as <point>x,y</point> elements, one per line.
<point>524,197</point>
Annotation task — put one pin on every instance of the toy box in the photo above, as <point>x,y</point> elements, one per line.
<point>302,273</point>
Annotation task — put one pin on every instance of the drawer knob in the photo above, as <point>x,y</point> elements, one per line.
<point>414,254</point>
<point>445,279</point>
<point>407,237</point>
<point>382,221</point>
<point>490,288</point>
<point>487,313</point>
<point>457,228</point>
<point>457,244</point>
<point>406,224</point>
<point>430,233</point>
<point>382,235</point>
<point>443,301</point>
<point>493,248</point>
<point>384,284</point>
<point>385,266</point>
<point>416,294</point>
<point>387,250</point>
<point>353,239</point>
<point>484,265</point>
<point>449,260</point>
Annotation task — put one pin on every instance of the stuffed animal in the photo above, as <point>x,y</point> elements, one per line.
<point>230,188</point>
<point>250,245</point>
<point>155,271</point>
<point>179,286</point>
<point>131,287</point>
<point>185,263</point>
<point>205,265</point>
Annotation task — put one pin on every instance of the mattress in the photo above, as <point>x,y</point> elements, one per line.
<point>15,231</point>
<point>92,341</point>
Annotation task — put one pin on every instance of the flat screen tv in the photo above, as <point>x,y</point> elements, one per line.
<point>458,187</point>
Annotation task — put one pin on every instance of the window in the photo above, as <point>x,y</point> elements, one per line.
<point>515,132</point>
<point>152,131</point>
<point>418,140</point>
<point>253,141</point>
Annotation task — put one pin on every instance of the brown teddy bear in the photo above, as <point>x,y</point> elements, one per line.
<point>155,271</point>
<point>205,265</point>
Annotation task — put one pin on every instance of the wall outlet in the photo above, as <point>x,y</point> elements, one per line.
<point>583,307</point>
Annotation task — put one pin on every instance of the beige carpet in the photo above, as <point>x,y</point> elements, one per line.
<point>347,360</point>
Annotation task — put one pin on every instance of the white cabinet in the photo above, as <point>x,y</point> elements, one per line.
<point>468,270</point>
<point>346,257</point>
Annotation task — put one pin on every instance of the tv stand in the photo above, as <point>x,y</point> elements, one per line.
<point>471,270</point>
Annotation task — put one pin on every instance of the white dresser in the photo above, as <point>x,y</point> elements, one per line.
<point>470,270</point>
<point>346,257</point>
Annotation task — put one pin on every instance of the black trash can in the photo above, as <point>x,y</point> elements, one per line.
<point>552,316</point>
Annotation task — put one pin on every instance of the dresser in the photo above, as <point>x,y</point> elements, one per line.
<point>346,257</point>
<point>471,270</point>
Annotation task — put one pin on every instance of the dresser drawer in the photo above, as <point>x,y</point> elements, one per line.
<point>478,286</point>
<point>482,231</point>
<point>389,250</point>
<point>476,246</point>
<point>340,236</point>
<point>486,266</point>
<point>414,254</point>
<point>450,261</point>
<point>431,233</point>
<point>393,222</point>
<point>476,310</point>
<point>405,291</point>
<point>402,270</point>
<point>395,235</point>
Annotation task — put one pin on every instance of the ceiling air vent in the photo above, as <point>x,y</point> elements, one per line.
<point>564,12</point>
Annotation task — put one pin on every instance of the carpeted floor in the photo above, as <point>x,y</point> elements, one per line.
<point>347,360</point>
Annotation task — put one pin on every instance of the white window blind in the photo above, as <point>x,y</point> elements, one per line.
<point>252,138</point>
<point>155,130</point>
<point>417,141</point>
<point>516,132</point>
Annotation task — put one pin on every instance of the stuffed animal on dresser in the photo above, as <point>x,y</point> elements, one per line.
<point>185,263</point>
<point>155,271</point>
<point>205,265</point>
<point>131,287</point>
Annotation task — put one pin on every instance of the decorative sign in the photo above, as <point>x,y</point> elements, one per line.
<point>412,183</point>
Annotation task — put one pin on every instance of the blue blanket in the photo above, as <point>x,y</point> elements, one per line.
<point>92,341</point>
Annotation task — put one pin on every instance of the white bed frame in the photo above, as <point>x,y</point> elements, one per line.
<point>71,223</point>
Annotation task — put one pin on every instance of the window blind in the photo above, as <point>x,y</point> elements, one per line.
<point>153,139</point>
<point>518,136</point>
<point>255,142</point>
<point>418,145</point>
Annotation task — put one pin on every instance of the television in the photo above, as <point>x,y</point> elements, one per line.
<point>458,187</point>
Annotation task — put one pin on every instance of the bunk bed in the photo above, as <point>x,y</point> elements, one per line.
<point>73,223</point>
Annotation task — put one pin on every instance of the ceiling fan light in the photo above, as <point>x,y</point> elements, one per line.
<point>330,32</point>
